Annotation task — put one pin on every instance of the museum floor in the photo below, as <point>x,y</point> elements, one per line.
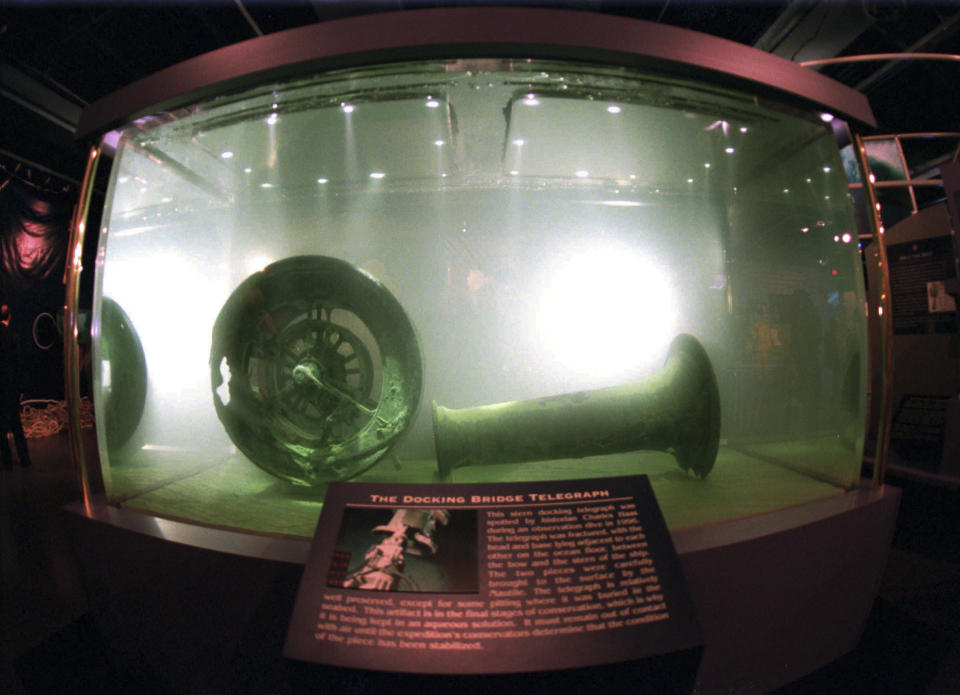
<point>911,643</point>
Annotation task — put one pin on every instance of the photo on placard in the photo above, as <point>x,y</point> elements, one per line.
<point>406,550</point>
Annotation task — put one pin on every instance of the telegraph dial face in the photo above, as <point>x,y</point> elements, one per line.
<point>315,369</point>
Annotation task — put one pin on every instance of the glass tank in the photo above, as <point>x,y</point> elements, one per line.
<point>472,271</point>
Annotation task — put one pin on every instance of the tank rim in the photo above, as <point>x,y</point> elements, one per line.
<point>469,32</point>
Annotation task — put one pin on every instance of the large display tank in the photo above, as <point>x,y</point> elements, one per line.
<point>297,283</point>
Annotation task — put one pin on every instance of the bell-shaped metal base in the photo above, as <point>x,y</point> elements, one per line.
<point>676,410</point>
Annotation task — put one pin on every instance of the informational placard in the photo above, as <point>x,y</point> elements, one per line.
<point>491,578</point>
<point>918,270</point>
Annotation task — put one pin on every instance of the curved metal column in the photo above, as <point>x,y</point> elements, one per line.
<point>71,358</point>
<point>884,313</point>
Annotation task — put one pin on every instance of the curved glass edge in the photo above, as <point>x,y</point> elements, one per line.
<point>477,32</point>
<point>71,357</point>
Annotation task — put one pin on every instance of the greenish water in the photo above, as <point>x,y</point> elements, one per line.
<point>545,228</point>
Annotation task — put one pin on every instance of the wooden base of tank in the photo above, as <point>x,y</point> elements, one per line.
<point>778,594</point>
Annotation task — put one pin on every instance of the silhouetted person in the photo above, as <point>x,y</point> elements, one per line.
<point>10,393</point>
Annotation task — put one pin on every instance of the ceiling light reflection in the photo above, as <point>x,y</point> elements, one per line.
<point>615,203</point>
<point>608,284</point>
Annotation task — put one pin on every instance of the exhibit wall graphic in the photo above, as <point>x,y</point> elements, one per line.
<point>34,232</point>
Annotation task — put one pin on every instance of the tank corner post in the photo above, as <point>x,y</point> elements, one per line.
<point>884,313</point>
<point>71,359</point>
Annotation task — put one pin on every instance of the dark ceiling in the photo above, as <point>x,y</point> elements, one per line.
<point>56,57</point>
